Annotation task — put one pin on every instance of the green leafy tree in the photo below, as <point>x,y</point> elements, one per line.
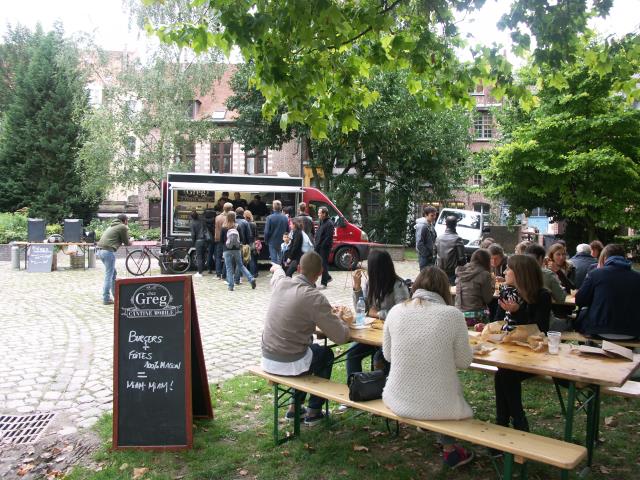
<point>315,56</point>
<point>148,123</point>
<point>13,55</point>
<point>576,153</point>
<point>42,134</point>
<point>399,146</point>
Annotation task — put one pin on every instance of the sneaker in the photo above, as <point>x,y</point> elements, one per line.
<point>313,419</point>
<point>493,453</point>
<point>108,302</point>
<point>230,289</point>
<point>457,457</point>
<point>341,409</point>
<point>197,275</point>
<point>253,284</point>
<point>290,415</point>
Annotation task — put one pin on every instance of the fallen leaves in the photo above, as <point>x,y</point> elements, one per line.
<point>139,472</point>
<point>611,421</point>
<point>243,473</point>
<point>360,448</point>
<point>24,469</point>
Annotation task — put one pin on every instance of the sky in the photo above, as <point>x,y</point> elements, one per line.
<point>109,23</point>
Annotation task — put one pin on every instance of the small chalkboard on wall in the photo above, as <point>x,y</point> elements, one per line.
<point>40,257</point>
<point>157,350</point>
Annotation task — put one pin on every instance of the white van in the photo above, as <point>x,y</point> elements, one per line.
<point>471,227</point>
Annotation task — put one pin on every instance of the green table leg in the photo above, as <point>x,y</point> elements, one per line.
<point>568,425</point>
<point>507,473</point>
<point>593,414</point>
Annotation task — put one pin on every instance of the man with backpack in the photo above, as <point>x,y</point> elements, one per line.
<point>231,240</point>
<point>426,237</point>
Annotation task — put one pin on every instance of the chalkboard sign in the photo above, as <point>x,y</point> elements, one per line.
<point>152,363</point>
<point>39,257</point>
<point>201,402</point>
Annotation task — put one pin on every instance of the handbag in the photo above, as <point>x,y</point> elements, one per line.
<point>246,254</point>
<point>365,386</point>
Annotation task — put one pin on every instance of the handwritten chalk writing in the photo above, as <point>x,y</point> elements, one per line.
<point>154,387</point>
<point>146,339</point>
<point>135,355</point>
<point>160,365</point>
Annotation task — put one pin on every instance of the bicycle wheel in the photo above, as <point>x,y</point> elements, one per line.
<point>138,262</point>
<point>179,260</point>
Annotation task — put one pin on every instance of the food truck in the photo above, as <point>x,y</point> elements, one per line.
<point>184,192</point>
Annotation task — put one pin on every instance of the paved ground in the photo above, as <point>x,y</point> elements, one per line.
<point>57,338</point>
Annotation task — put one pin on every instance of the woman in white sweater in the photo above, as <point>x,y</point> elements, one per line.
<point>426,340</point>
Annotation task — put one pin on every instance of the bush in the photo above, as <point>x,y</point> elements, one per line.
<point>136,230</point>
<point>13,227</point>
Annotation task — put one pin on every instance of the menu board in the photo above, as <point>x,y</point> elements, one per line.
<point>39,257</point>
<point>153,353</point>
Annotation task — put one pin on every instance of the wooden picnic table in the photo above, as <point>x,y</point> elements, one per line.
<point>590,371</point>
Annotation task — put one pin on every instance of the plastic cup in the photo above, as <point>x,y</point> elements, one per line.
<point>554,342</point>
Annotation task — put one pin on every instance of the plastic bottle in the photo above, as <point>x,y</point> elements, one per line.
<point>360,312</point>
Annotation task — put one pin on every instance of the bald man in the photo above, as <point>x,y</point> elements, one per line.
<point>296,309</point>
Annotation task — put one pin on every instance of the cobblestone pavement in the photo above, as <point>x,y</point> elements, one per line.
<point>57,337</point>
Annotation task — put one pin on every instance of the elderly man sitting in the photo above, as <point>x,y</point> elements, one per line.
<point>583,261</point>
<point>608,298</point>
<point>295,310</point>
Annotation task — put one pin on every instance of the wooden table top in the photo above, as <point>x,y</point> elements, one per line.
<point>593,369</point>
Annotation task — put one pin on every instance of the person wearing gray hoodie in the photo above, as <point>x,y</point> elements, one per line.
<point>426,237</point>
<point>475,287</point>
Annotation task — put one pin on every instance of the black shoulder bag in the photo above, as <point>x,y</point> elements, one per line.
<point>365,386</point>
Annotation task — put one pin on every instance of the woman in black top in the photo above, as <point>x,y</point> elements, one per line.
<point>523,273</point>
<point>292,256</point>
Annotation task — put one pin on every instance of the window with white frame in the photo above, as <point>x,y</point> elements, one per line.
<point>477,179</point>
<point>483,125</point>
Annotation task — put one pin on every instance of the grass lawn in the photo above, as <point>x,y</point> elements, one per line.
<point>238,443</point>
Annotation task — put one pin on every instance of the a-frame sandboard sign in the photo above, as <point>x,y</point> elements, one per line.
<point>159,377</point>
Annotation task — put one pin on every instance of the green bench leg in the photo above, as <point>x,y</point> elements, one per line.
<point>507,472</point>
<point>281,398</point>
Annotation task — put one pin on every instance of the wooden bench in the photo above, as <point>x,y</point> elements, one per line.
<point>517,446</point>
<point>630,389</point>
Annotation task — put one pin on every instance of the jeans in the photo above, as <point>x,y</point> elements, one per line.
<point>201,252</point>
<point>275,254</point>
<point>355,354</point>
<point>109,260</point>
<point>253,264</point>
<point>426,261</point>
<point>218,249</point>
<point>321,365</point>
<point>231,257</point>
<point>211,253</point>
<point>508,387</point>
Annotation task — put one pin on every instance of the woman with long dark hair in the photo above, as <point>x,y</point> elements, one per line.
<point>291,257</point>
<point>383,289</point>
<point>475,287</point>
<point>534,307</point>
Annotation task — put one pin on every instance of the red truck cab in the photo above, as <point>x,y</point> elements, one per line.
<point>350,242</point>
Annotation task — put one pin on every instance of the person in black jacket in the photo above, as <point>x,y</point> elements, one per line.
<point>307,221</point>
<point>583,261</point>
<point>523,273</point>
<point>209,221</point>
<point>292,256</point>
<point>253,236</point>
<point>245,235</point>
<point>199,239</point>
<point>608,297</point>
<point>324,242</point>
<point>450,250</point>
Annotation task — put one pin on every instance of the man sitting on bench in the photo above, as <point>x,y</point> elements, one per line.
<point>295,310</point>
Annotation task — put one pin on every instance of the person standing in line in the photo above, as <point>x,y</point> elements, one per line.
<point>209,220</point>
<point>253,232</point>
<point>291,258</point>
<point>114,236</point>
<point>307,221</point>
<point>219,247</point>
<point>295,311</point>
<point>231,239</point>
<point>277,224</point>
<point>450,250</point>
<point>324,243</point>
<point>426,237</point>
<point>199,234</point>
<point>245,236</point>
